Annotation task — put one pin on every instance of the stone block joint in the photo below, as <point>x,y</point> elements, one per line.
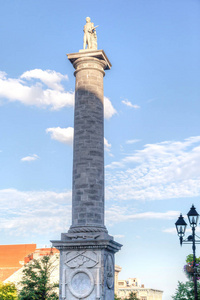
<point>88,159</point>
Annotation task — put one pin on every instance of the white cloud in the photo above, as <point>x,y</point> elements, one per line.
<point>107,147</point>
<point>159,171</point>
<point>2,75</point>
<point>44,89</point>
<point>129,104</point>
<point>30,158</point>
<point>66,136</point>
<point>63,135</point>
<point>109,110</point>
<point>49,77</point>
<point>25,213</point>
<point>118,236</point>
<point>36,94</point>
<point>173,230</point>
<point>132,141</point>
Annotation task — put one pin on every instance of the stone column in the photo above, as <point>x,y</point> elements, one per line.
<point>87,250</point>
<point>88,161</point>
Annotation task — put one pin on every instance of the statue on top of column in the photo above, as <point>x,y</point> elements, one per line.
<point>90,36</point>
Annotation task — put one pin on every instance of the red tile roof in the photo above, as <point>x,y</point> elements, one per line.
<point>12,258</point>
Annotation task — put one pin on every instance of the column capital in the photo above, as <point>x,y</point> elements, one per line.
<point>98,54</point>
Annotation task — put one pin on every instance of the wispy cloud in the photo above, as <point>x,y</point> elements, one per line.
<point>63,135</point>
<point>129,104</point>
<point>159,171</point>
<point>30,158</point>
<point>118,236</point>
<point>27,212</point>
<point>132,141</point>
<point>172,230</point>
<point>117,214</point>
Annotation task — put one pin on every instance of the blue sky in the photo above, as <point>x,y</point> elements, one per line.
<point>152,132</point>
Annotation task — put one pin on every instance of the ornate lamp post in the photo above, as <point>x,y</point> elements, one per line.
<point>181,225</point>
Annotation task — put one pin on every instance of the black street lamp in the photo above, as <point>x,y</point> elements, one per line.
<point>181,225</point>
<point>193,217</point>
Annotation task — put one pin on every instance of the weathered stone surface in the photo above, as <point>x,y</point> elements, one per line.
<point>88,159</point>
<point>87,251</point>
<point>98,54</point>
<point>87,266</point>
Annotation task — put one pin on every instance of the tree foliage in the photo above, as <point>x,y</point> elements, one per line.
<point>8,291</point>
<point>36,280</point>
<point>189,259</point>
<point>116,298</point>
<point>132,296</point>
<point>185,291</point>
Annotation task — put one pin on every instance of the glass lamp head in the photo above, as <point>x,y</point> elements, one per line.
<point>193,216</point>
<point>181,226</point>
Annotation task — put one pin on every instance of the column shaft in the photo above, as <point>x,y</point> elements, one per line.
<point>88,156</point>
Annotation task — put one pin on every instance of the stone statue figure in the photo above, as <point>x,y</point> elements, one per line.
<point>90,36</point>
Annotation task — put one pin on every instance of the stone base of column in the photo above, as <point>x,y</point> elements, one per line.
<point>87,266</point>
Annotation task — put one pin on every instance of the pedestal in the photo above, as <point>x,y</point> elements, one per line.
<point>86,267</point>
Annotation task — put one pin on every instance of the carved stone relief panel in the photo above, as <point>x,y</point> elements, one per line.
<point>109,271</point>
<point>77,259</point>
<point>81,283</point>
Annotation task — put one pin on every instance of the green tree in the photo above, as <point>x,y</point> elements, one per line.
<point>8,291</point>
<point>132,296</point>
<point>116,298</point>
<point>36,280</point>
<point>189,259</point>
<point>185,291</point>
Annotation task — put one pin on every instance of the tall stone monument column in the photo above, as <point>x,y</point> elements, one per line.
<point>88,160</point>
<point>87,250</point>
